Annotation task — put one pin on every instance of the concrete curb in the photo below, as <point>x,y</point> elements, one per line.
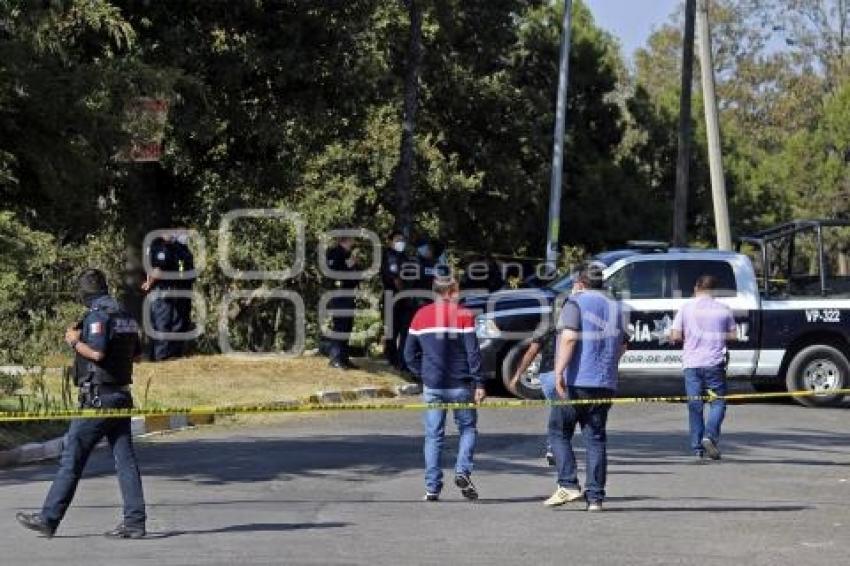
<point>34,452</point>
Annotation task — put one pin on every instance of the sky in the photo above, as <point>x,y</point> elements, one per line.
<point>631,21</point>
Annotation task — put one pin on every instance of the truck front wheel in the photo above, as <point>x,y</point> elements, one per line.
<point>528,386</point>
<point>821,369</point>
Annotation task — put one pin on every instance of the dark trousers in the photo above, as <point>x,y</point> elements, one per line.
<point>181,321</point>
<point>82,437</point>
<point>341,325</point>
<point>592,418</point>
<point>162,320</point>
<point>395,333</point>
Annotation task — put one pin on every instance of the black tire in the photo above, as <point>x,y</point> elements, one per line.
<point>528,386</point>
<point>818,368</point>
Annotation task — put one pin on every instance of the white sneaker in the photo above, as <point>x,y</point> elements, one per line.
<point>562,495</point>
<point>595,507</point>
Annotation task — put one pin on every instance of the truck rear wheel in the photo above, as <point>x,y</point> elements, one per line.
<point>819,368</point>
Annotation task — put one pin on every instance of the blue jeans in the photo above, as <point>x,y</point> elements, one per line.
<point>82,437</point>
<point>435,432</point>
<point>697,382</point>
<point>547,385</point>
<point>592,419</point>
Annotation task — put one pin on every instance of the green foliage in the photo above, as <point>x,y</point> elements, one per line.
<point>10,383</point>
<point>296,105</point>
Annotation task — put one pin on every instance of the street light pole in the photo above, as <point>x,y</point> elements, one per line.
<point>558,145</point>
<point>712,123</point>
<point>680,203</point>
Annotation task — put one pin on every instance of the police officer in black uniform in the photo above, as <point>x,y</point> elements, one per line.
<point>340,259</point>
<point>427,263</point>
<point>182,307</point>
<point>162,310</point>
<point>105,345</point>
<point>393,265</point>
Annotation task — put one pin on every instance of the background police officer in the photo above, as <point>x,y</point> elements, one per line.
<point>182,307</point>
<point>427,267</point>
<point>340,259</point>
<point>105,345</point>
<point>162,309</point>
<point>398,315</point>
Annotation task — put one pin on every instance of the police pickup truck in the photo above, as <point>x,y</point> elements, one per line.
<point>789,288</point>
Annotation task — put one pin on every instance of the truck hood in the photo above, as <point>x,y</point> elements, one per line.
<point>510,300</point>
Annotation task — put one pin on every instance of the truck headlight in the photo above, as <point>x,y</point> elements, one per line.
<point>485,327</point>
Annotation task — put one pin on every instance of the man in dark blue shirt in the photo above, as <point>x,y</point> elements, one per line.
<point>340,259</point>
<point>397,311</point>
<point>162,309</point>
<point>182,307</point>
<point>105,345</point>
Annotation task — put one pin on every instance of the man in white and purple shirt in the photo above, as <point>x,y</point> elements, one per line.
<point>704,324</point>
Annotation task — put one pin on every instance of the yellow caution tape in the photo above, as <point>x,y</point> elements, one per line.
<point>311,406</point>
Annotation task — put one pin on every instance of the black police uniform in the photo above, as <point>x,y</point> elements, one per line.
<point>337,259</point>
<point>182,308</point>
<point>108,329</point>
<point>427,273</point>
<point>395,329</point>
<point>163,312</point>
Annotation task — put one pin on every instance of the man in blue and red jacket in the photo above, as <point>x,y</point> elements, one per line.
<point>442,350</point>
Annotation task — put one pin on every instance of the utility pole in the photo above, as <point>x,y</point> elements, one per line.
<point>553,240</point>
<point>680,203</point>
<point>715,157</point>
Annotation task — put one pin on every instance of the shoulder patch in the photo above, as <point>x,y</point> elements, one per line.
<point>96,328</point>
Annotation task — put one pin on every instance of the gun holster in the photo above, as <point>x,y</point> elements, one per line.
<point>89,396</point>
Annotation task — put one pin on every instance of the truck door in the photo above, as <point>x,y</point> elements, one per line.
<point>643,284</point>
<point>654,289</point>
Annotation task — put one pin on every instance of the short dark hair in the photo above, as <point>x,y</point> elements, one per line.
<point>444,284</point>
<point>395,233</point>
<point>590,275</point>
<point>92,282</point>
<point>706,283</point>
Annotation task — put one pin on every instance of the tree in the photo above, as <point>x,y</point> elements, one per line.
<point>65,77</point>
<point>413,62</point>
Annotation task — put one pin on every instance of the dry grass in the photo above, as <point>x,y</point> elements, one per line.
<point>219,380</point>
<point>224,380</point>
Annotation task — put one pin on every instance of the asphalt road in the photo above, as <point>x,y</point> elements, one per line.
<point>346,489</point>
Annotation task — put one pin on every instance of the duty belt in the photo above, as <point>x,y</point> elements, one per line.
<point>90,393</point>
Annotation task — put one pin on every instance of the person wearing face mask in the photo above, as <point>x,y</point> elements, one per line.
<point>591,340</point>
<point>397,312</point>
<point>105,344</point>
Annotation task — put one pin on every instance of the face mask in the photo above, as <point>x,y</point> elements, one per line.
<point>400,246</point>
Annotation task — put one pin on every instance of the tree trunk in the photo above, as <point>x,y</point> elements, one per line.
<point>404,171</point>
